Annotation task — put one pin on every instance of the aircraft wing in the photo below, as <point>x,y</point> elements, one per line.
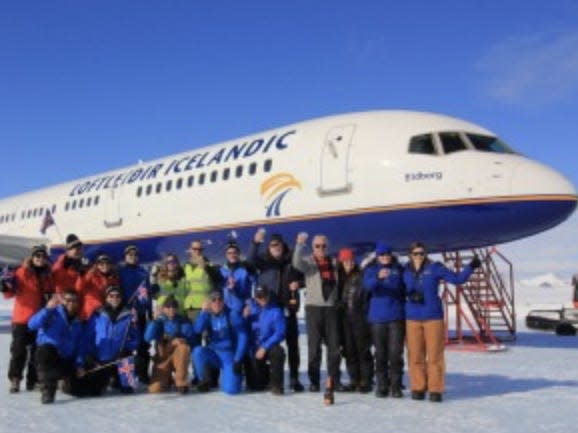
<point>13,249</point>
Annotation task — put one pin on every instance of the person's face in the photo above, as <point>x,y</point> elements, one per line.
<point>348,265</point>
<point>104,266</point>
<point>131,257</point>
<point>74,253</point>
<point>417,256</point>
<point>114,299</point>
<point>319,246</point>
<point>384,259</point>
<point>261,300</point>
<point>171,263</point>
<point>196,249</point>
<point>39,259</point>
<point>275,249</point>
<point>217,304</point>
<point>232,255</point>
<point>170,312</point>
<point>70,303</point>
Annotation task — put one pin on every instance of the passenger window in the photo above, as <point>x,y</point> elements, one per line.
<point>149,189</point>
<point>179,183</point>
<point>53,209</point>
<point>191,181</point>
<point>452,142</point>
<point>139,191</point>
<point>268,165</point>
<point>66,206</point>
<point>169,185</point>
<point>88,201</point>
<point>214,176</point>
<point>159,187</point>
<point>226,173</point>
<point>73,204</point>
<point>422,144</point>
<point>239,171</point>
<point>252,168</point>
<point>81,203</point>
<point>96,200</point>
<point>202,179</point>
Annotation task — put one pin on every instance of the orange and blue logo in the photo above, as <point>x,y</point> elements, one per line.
<point>274,190</point>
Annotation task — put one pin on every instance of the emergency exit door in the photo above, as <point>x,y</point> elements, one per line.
<point>335,154</point>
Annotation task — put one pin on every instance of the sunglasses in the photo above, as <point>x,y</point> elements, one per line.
<point>40,255</point>
<point>274,244</point>
<point>113,295</point>
<point>320,246</point>
<point>418,253</point>
<point>70,300</point>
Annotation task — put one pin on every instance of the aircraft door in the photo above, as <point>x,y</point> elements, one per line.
<point>334,168</point>
<point>112,215</point>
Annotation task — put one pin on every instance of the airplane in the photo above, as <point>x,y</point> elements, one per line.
<point>390,175</point>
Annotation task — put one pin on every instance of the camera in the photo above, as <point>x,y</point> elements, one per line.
<point>415,297</point>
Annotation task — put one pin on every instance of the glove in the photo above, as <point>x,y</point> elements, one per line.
<point>238,368</point>
<point>475,263</point>
<point>415,297</point>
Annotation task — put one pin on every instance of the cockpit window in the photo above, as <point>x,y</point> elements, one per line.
<point>488,143</point>
<point>422,144</point>
<point>452,142</point>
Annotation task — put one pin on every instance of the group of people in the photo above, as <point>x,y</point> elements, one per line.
<point>81,325</point>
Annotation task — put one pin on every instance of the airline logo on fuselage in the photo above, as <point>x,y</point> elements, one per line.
<point>187,163</point>
<point>274,189</point>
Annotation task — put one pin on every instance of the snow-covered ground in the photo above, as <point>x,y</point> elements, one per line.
<point>530,387</point>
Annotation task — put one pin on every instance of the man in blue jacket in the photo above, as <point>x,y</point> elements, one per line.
<point>136,293</point>
<point>283,281</point>
<point>173,335</point>
<point>59,339</point>
<point>111,334</point>
<point>237,279</point>
<point>226,347</point>
<point>267,357</point>
<point>383,280</point>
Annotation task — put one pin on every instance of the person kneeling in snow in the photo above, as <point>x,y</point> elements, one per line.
<point>173,334</point>
<point>266,357</point>
<point>59,340</point>
<point>227,344</point>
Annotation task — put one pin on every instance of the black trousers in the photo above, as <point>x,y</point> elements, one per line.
<point>22,354</point>
<point>388,339</point>
<point>267,371</point>
<point>51,368</point>
<point>357,349</point>
<point>292,341</point>
<point>322,327</point>
<point>143,357</point>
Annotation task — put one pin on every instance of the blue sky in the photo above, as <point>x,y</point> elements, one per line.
<point>88,86</point>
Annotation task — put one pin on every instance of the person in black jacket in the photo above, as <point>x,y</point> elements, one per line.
<point>283,281</point>
<point>356,331</point>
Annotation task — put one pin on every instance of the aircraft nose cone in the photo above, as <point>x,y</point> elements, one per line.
<point>531,177</point>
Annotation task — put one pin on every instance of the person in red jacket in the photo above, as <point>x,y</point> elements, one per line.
<point>92,286</point>
<point>31,287</point>
<point>69,266</point>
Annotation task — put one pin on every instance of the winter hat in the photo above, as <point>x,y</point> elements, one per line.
<point>232,244</point>
<point>72,241</point>
<point>130,248</point>
<point>276,237</point>
<point>103,258</point>
<point>113,289</point>
<point>382,248</point>
<point>170,302</point>
<point>262,292</point>
<point>345,254</point>
<point>39,249</point>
